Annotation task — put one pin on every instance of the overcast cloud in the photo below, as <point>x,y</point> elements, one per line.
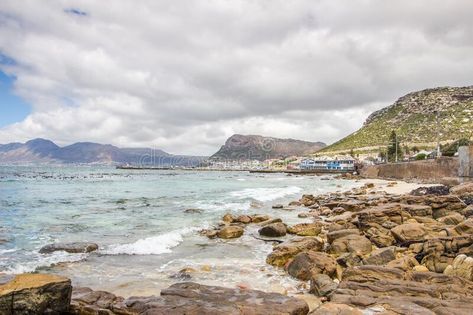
<point>184,75</point>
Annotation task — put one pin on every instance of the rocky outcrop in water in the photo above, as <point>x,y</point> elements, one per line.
<point>76,247</point>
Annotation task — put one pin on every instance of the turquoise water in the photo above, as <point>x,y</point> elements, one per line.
<point>138,220</point>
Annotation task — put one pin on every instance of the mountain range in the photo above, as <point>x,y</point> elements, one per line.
<point>417,118</point>
<point>253,147</point>
<point>46,151</point>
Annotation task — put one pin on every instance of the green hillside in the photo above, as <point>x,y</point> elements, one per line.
<point>413,117</point>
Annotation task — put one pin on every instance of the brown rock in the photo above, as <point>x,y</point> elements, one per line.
<point>258,218</point>
<point>195,299</point>
<point>273,230</point>
<point>381,256</point>
<point>76,247</point>
<point>336,309</point>
<point>243,219</point>
<point>35,294</point>
<point>305,229</point>
<point>228,232</point>
<point>452,219</point>
<point>228,218</point>
<point>322,285</point>
<point>305,264</point>
<point>282,253</point>
<point>409,232</point>
<point>332,236</point>
<point>352,243</point>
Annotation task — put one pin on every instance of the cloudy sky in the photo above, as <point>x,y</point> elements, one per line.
<point>184,75</point>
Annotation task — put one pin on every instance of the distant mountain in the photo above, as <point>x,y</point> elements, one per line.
<point>251,147</point>
<point>414,118</point>
<point>46,151</point>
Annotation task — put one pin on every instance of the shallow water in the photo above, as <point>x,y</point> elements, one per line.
<point>138,219</point>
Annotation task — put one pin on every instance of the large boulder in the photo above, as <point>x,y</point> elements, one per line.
<point>282,253</point>
<point>76,247</point>
<point>195,299</point>
<point>463,189</point>
<point>352,243</point>
<point>35,294</point>
<point>381,256</point>
<point>305,264</point>
<point>273,230</point>
<point>231,231</point>
<point>462,266</point>
<point>305,229</point>
<point>409,232</point>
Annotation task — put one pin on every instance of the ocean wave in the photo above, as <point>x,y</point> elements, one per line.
<point>39,261</point>
<point>266,194</point>
<point>153,245</point>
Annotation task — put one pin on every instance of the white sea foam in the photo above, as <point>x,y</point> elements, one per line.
<point>266,194</point>
<point>153,245</point>
<point>43,261</point>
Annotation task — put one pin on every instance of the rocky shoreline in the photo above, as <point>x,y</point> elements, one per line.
<point>365,251</point>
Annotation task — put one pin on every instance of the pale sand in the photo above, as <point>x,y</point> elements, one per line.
<point>398,189</point>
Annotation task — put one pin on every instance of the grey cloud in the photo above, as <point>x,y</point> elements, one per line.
<point>184,75</point>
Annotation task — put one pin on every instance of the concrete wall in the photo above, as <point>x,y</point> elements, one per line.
<point>430,170</point>
<point>465,156</point>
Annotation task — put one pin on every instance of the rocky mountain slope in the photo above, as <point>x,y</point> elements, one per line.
<point>413,117</point>
<point>251,147</point>
<point>46,151</point>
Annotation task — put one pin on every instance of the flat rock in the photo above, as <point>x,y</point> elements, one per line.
<point>351,243</point>
<point>381,256</point>
<point>273,230</point>
<point>305,229</point>
<point>76,247</point>
<point>35,294</point>
<point>196,299</point>
<point>409,232</point>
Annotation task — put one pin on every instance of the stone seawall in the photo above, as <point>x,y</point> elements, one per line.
<point>428,170</point>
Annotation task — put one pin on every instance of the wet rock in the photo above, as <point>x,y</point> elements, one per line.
<point>35,294</point>
<point>195,299</point>
<point>270,221</point>
<point>305,229</point>
<point>282,253</point>
<point>381,256</point>
<point>352,243</point>
<point>295,204</point>
<point>193,211</point>
<point>228,218</point>
<point>258,218</point>
<point>409,232</point>
<point>243,219</point>
<point>76,247</point>
<point>85,301</point>
<point>440,190</point>
<point>273,230</point>
<point>228,232</point>
<point>278,206</point>
<point>209,233</point>
<point>322,285</point>
<point>462,266</point>
<point>308,200</point>
<point>305,264</point>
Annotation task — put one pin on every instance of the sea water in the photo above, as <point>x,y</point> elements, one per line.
<point>138,219</point>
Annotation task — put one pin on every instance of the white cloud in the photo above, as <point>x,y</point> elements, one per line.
<point>184,75</point>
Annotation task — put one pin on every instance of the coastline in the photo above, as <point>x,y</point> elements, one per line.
<point>329,219</point>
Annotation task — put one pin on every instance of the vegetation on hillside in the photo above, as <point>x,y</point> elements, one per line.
<point>414,119</point>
